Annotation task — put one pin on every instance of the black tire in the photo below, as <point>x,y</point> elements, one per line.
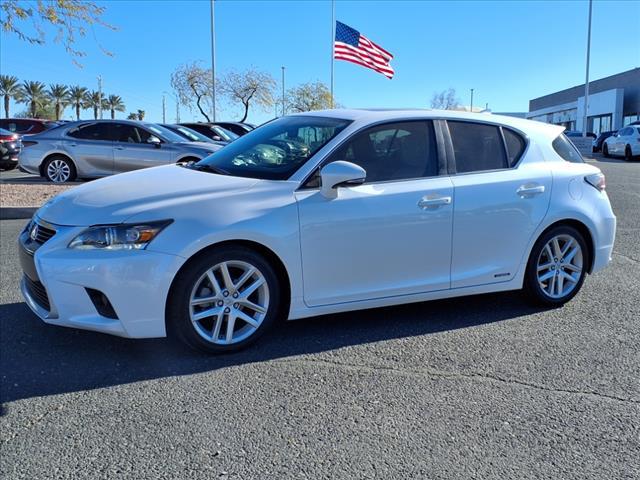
<point>178,306</point>
<point>8,166</point>
<point>59,158</point>
<point>531,285</point>
<point>628,155</point>
<point>605,151</point>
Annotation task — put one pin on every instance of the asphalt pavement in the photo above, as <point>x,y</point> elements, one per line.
<point>478,387</point>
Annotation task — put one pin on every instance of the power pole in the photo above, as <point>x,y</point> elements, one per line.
<point>284,112</point>
<point>177,112</point>
<point>471,106</point>
<point>164,120</point>
<point>213,64</point>
<point>100,97</point>
<point>586,81</point>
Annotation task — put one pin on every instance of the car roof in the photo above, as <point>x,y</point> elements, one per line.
<point>366,115</point>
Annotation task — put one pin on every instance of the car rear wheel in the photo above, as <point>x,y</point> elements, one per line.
<point>628,154</point>
<point>557,266</point>
<point>224,301</point>
<point>605,151</point>
<point>60,170</point>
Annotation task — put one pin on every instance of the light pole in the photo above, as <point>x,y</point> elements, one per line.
<point>283,105</point>
<point>100,97</point>
<point>177,105</point>
<point>213,64</point>
<point>164,118</point>
<point>586,81</point>
<point>471,106</point>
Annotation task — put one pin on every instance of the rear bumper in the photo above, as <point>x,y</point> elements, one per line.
<point>604,234</point>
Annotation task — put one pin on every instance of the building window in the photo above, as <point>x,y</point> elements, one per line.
<point>631,117</point>
<point>599,124</point>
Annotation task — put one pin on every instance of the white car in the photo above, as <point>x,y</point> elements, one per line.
<point>319,213</point>
<point>625,143</point>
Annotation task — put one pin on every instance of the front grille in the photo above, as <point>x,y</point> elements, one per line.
<point>42,234</point>
<point>37,292</point>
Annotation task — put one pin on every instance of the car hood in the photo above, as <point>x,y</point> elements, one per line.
<point>115,199</point>
<point>204,145</point>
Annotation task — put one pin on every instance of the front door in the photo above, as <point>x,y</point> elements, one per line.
<point>390,236</point>
<point>132,150</point>
<point>91,149</point>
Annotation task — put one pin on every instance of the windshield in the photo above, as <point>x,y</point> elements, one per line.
<point>192,135</point>
<point>165,133</point>
<point>276,150</point>
<point>226,135</point>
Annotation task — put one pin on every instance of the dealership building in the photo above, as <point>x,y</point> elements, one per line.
<point>614,102</point>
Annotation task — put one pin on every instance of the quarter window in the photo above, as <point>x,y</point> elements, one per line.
<point>515,145</point>
<point>477,147</point>
<point>563,147</point>
<point>395,151</point>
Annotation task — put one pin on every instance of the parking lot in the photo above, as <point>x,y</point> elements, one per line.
<point>480,387</point>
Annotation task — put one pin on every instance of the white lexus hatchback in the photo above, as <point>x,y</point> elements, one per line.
<point>319,213</point>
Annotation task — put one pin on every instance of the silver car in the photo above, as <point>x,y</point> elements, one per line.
<point>98,148</point>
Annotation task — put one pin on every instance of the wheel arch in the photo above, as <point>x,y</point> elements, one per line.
<point>50,156</point>
<point>268,253</point>
<point>584,231</point>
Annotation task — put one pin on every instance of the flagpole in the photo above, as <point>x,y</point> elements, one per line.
<point>333,37</point>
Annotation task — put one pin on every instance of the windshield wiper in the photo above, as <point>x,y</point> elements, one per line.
<point>210,168</point>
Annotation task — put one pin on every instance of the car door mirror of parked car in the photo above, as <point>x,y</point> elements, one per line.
<point>155,141</point>
<point>340,174</point>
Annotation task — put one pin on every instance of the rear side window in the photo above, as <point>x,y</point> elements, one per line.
<point>567,150</point>
<point>477,147</point>
<point>515,146</point>
<point>94,131</point>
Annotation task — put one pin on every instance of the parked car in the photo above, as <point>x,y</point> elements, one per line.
<point>625,143</point>
<point>239,128</point>
<point>10,147</point>
<point>97,148</point>
<point>212,131</point>
<point>318,213</point>
<point>573,133</point>
<point>191,135</point>
<point>27,126</point>
<point>599,140</point>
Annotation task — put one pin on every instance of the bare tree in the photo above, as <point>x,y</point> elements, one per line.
<point>445,100</point>
<point>71,19</point>
<point>309,96</point>
<point>193,84</point>
<point>248,87</point>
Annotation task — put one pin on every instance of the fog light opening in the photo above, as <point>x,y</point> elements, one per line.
<point>102,303</point>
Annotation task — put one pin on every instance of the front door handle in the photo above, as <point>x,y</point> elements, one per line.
<point>432,202</point>
<point>119,147</point>
<point>529,190</point>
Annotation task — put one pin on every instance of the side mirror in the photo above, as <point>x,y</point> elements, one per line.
<point>340,174</point>
<point>153,140</point>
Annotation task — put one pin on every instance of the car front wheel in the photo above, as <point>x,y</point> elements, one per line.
<point>557,266</point>
<point>224,301</point>
<point>605,151</point>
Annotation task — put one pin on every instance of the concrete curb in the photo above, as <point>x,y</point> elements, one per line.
<point>17,213</point>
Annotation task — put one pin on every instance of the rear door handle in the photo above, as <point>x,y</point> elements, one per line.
<point>431,202</point>
<point>530,189</point>
<point>118,147</point>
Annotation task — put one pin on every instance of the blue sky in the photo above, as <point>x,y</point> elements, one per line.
<point>509,52</point>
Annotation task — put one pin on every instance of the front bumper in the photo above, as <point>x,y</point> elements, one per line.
<point>135,282</point>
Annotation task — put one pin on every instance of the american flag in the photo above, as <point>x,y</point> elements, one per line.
<point>352,46</point>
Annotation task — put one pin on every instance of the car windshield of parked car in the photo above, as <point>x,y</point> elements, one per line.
<point>165,133</point>
<point>276,150</point>
<point>227,135</point>
<point>191,135</point>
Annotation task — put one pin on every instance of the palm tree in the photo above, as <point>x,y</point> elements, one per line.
<point>78,98</point>
<point>115,104</point>
<point>9,88</point>
<point>141,114</point>
<point>34,94</point>
<point>94,100</point>
<point>59,95</point>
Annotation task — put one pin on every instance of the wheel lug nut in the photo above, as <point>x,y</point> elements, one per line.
<point>220,303</point>
<point>225,293</point>
<point>236,305</point>
<point>553,267</point>
<point>555,259</point>
<point>235,295</point>
<point>227,310</point>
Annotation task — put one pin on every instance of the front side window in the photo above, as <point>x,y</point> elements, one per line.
<point>395,151</point>
<point>567,150</point>
<point>477,147</point>
<point>276,150</point>
<point>93,131</point>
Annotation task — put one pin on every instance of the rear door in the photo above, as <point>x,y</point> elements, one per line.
<point>499,201</point>
<point>133,151</point>
<point>91,149</point>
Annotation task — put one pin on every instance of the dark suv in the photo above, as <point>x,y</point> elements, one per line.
<point>26,126</point>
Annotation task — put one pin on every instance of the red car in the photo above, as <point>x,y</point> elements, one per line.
<point>26,126</point>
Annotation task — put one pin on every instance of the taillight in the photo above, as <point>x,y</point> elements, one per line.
<point>597,181</point>
<point>9,138</point>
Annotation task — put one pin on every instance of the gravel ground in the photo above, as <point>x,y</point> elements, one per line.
<point>28,195</point>
<point>481,387</point>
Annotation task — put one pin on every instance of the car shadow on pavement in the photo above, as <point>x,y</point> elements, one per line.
<point>38,359</point>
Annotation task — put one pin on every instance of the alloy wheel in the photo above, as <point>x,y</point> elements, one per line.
<point>58,171</point>
<point>229,302</point>
<point>559,266</point>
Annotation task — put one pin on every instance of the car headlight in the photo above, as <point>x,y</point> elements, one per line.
<point>119,237</point>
